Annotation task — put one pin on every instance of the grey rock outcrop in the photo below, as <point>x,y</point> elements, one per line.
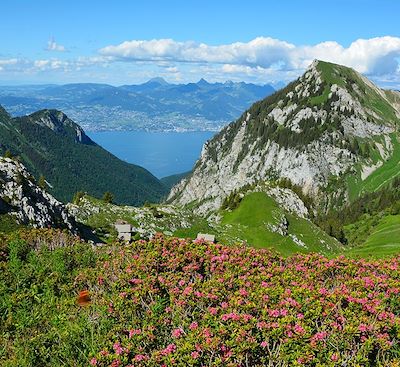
<point>23,198</point>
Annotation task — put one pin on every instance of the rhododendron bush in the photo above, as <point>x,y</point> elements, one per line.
<point>170,302</point>
<point>174,302</point>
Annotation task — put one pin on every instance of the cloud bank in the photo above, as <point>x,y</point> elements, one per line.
<point>369,56</point>
<point>261,60</point>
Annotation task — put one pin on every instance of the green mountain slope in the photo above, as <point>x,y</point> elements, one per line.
<point>252,221</point>
<point>261,222</point>
<point>52,145</point>
<point>386,170</point>
<point>170,181</point>
<point>383,239</point>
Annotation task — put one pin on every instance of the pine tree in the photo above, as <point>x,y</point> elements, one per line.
<point>42,182</point>
<point>108,197</point>
<point>8,154</point>
<point>77,197</point>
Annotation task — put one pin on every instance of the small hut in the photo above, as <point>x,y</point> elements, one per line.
<point>205,237</point>
<point>124,230</point>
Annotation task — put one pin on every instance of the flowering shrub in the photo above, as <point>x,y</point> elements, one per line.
<point>173,302</point>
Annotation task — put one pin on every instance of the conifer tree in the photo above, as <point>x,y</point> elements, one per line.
<point>42,182</point>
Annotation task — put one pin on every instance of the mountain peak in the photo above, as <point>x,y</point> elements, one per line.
<point>4,114</point>
<point>322,125</point>
<point>53,119</point>
<point>59,122</point>
<point>157,80</point>
<point>202,81</point>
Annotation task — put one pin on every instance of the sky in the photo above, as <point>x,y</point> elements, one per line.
<point>128,42</point>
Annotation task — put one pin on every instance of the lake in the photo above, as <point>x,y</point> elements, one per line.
<point>162,153</point>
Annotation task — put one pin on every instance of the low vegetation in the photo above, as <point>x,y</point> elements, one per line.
<point>171,302</point>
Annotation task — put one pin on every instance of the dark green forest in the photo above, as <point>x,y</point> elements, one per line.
<point>72,162</point>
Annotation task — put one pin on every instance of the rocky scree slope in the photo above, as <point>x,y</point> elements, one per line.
<point>22,198</point>
<point>52,145</point>
<point>330,123</point>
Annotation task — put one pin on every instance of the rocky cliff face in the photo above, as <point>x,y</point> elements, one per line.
<point>330,122</point>
<point>21,197</point>
<point>59,122</point>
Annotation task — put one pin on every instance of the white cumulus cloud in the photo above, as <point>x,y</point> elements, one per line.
<point>250,53</point>
<point>261,60</point>
<point>52,45</point>
<point>370,56</point>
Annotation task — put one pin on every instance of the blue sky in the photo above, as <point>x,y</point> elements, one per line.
<point>121,42</point>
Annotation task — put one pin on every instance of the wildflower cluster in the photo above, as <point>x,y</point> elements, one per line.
<point>174,302</point>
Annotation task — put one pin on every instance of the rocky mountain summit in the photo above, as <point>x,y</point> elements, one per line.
<point>327,132</point>
<point>59,122</point>
<point>21,197</point>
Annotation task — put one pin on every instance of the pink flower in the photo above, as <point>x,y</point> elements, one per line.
<point>93,362</point>
<point>299,329</point>
<point>363,328</point>
<point>169,349</point>
<point>263,344</point>
<point>134,332</point>
<point>135,281</point>
<point>274,313</point>
<point>323,291</point>
<point>140,357</point>
<point>195,355</point>
<point>243,292</point>
<point>283,312</point>
<point>335,357</point>
<point>118,349</point>
<point>320,335</point>
<point>177,333</point>
<point>193,325</point>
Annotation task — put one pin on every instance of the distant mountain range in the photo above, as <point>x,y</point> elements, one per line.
<point>153,106</point>
<point>48,143</point>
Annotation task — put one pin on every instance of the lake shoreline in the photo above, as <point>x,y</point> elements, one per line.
<point>162,153</point>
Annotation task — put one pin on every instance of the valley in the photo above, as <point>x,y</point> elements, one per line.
<point>262,180</point>
<point>200,183</point>
<point>302,194</point>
